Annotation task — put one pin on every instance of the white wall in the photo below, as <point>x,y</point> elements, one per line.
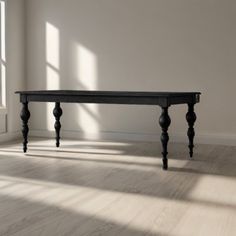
<point>150,45</point>
<point>15,65</point>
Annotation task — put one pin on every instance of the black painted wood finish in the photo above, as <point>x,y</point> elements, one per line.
<point>25,115</point>
<point>164,122</point>
<point>191,118</point>
<point>162,99</point>
<point>57,112</point>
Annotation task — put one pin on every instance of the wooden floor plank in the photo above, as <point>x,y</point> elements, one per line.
<point>91,188</point>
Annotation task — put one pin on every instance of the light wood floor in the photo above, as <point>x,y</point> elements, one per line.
<point>115,188</point>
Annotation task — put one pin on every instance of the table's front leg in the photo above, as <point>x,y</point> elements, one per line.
<point>25,115</point>
<point>164,122</point>
<point>191,118</point>
<point>57,112</point>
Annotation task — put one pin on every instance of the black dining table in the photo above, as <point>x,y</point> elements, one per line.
<point>162,99</point>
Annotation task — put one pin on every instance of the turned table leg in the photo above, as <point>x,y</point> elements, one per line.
<point>191,118</point>
<point>57,112</point>
<point>164,122</point>
<point>25,115</point>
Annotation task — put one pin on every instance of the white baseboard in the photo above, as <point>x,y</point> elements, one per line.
<point>219,139</point>
<point>9,136</point>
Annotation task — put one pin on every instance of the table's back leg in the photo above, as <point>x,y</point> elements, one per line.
<point>164,122</point>
<point>25,115</point>
<point>57,112</point>
<point>191,118</point>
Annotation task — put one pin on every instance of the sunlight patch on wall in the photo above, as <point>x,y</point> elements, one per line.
<point>52,78</point>
<point>52,67</point>
<point>86,73</point>
<point>52,45</point>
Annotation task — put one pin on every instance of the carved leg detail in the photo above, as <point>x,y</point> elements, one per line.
<point>164,122</point>
<point>25,115</point>
<point>191,118</point>
<point>57,112</point>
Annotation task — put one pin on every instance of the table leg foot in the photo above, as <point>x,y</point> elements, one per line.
<point>57,112</point>
<point>164,122</point>
<point>25,115</point>
<point>191,118</point>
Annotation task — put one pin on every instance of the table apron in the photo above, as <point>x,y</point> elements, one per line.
<point>161,101</point>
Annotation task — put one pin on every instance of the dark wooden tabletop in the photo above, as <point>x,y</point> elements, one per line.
<point>106,93</point>
<point>110,97</point>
